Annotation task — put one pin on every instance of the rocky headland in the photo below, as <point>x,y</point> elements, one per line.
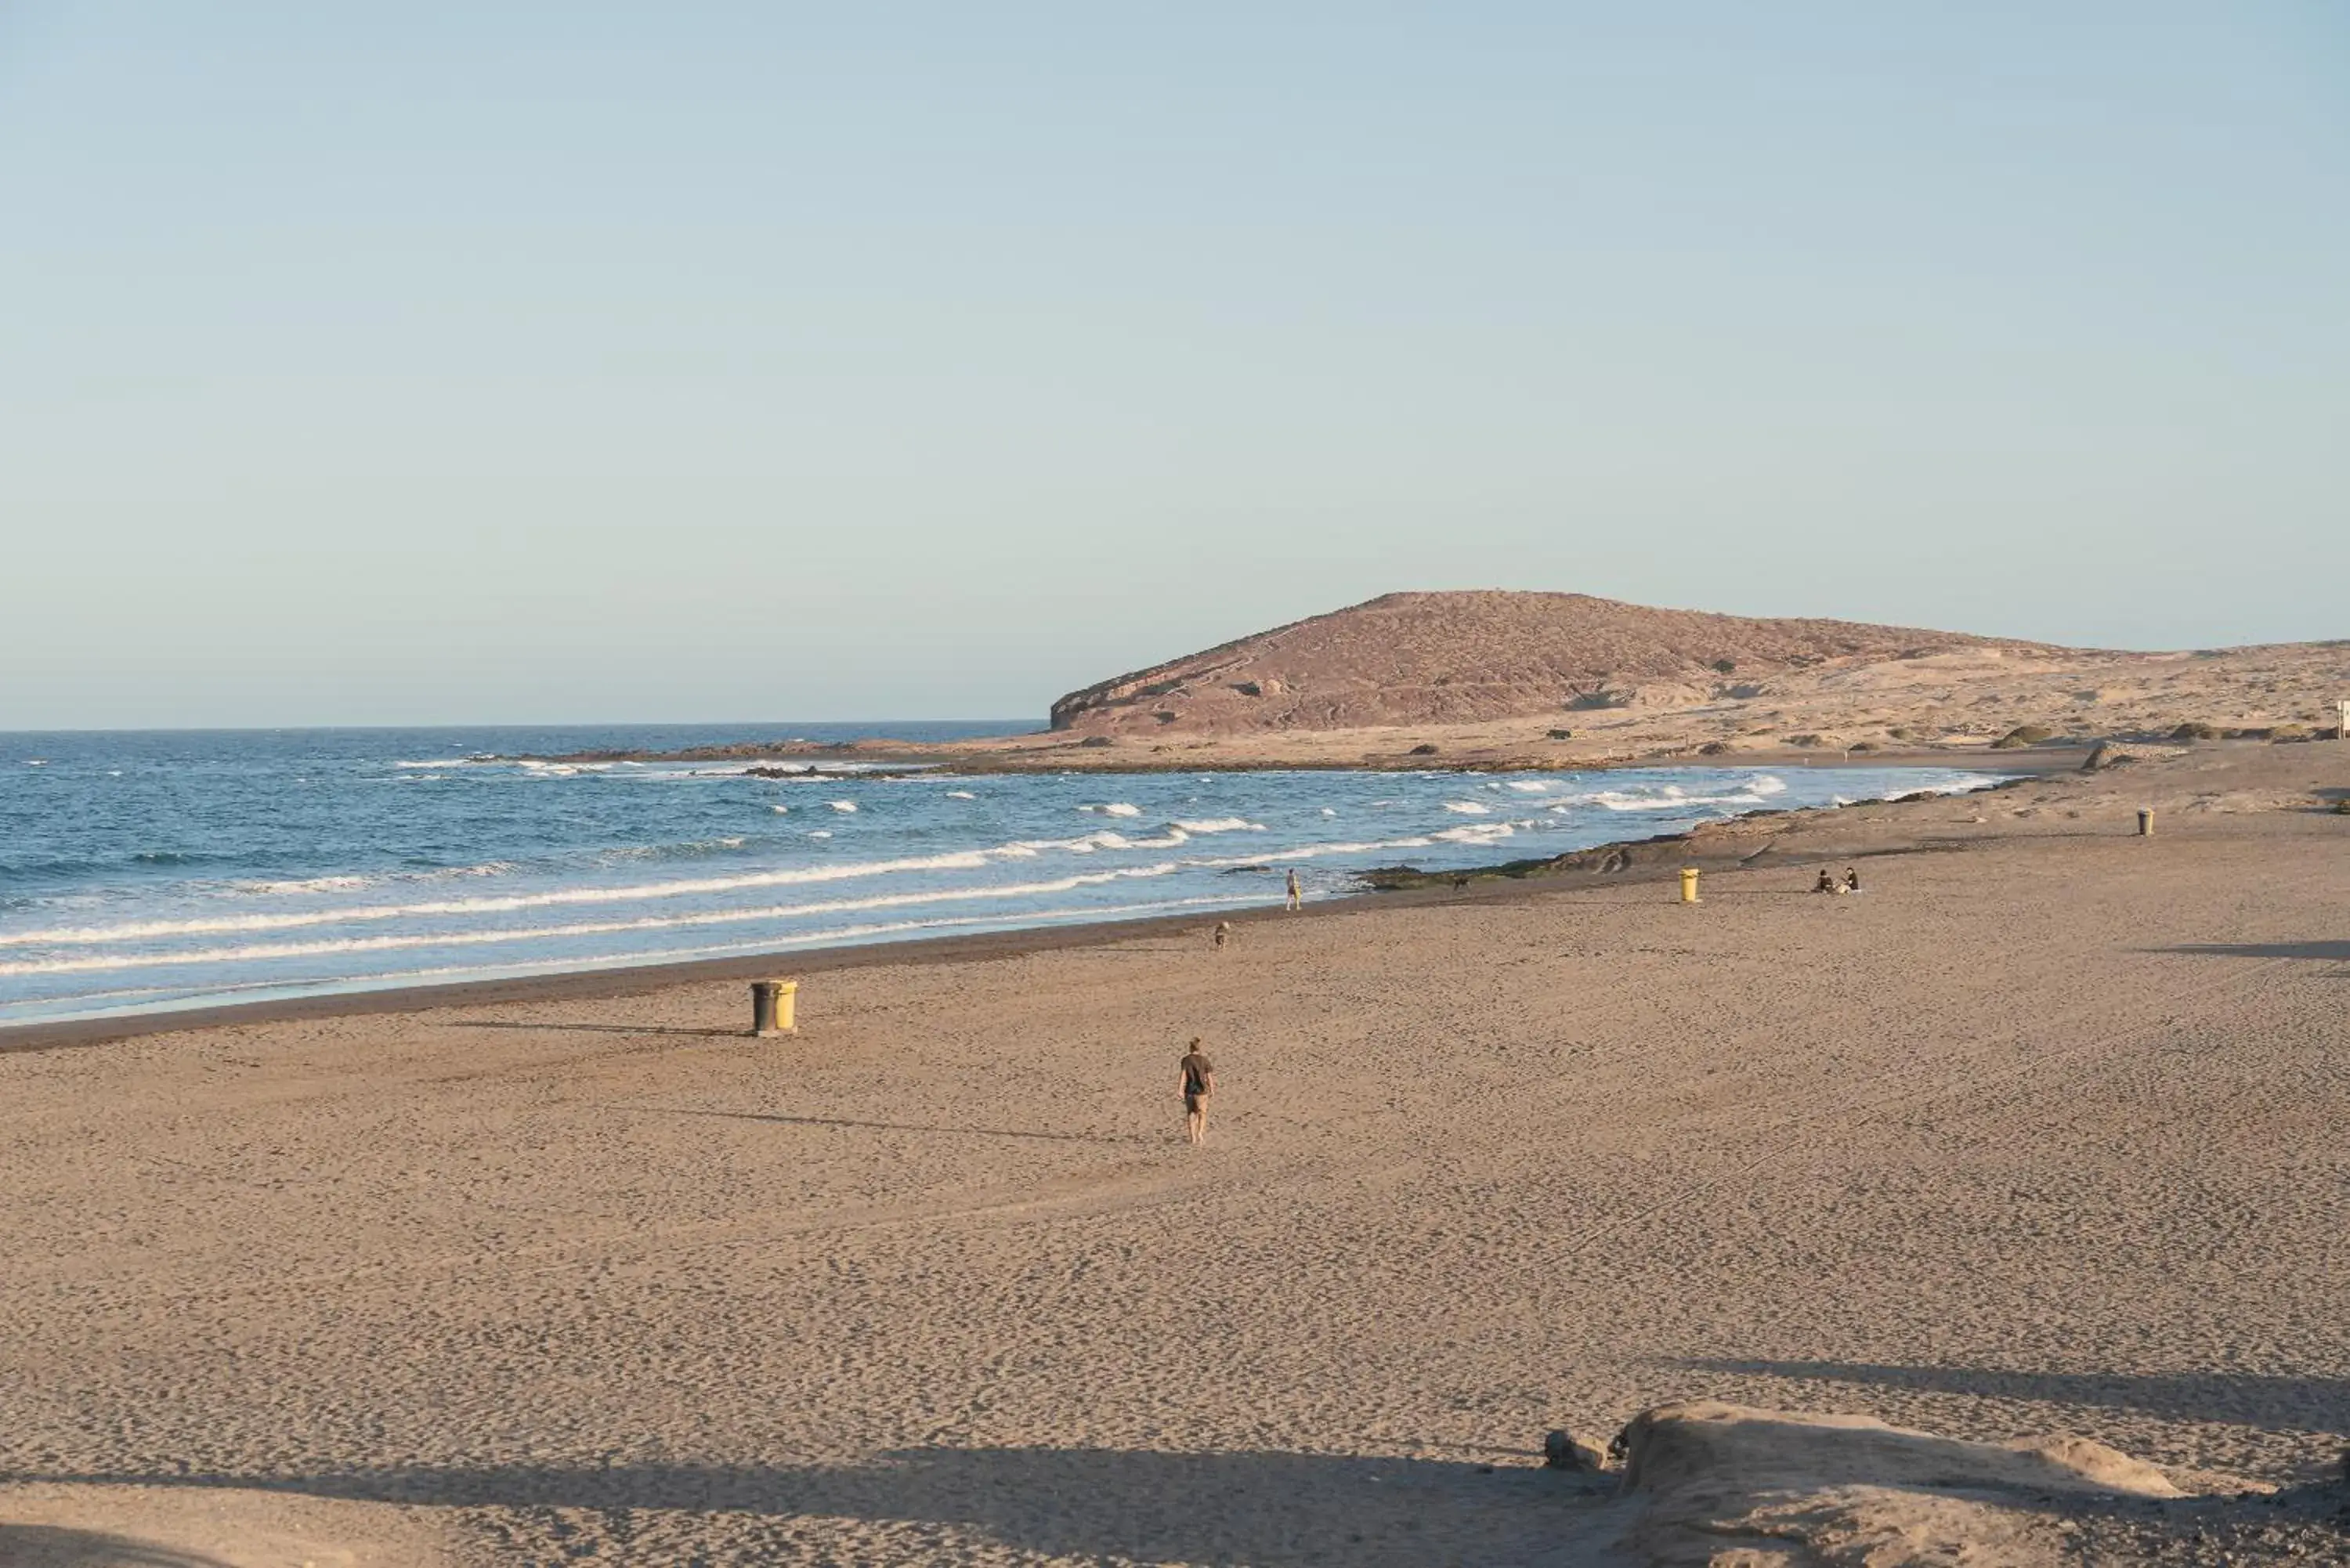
<point>1495,679</point>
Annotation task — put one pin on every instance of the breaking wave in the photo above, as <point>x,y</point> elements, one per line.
<point>307,884</point>
<point>264,950</point>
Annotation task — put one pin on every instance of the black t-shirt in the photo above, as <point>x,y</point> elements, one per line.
<point>1196,1069</point>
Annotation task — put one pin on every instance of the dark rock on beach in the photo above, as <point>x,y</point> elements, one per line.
<point>1562,1450</point>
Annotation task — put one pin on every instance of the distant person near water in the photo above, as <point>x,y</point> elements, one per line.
<point>1199,1083</point>
<point>1223,934</point>
<point>1296,894</point>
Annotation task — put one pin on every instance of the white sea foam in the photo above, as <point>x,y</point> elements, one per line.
<point>1481,833</point>
<point>308,885</point>
<point>1754,790</point>
<point>1086,846</point>
<point>959,860</point>
<point>1313,852</point>
<point>1115,808</point>
<point>960,794</point>
<point>1220,824</point>
<point>261,951</point>
<point>1537,787</point>
<point>780,810</point>
<point>1328,812</point>
<point>842,804</point>
<point>682,776</point>
<point>820,832</point>
<point>671,851</point>
<point>1966,783</point>
<point>340,884</point>
<point>1673,802</point>
<point>1468,808</point>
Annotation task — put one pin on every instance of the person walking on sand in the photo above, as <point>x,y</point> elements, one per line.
<point>1199,1083</point>
<point>1223,934</point>
<point>1296,894</point>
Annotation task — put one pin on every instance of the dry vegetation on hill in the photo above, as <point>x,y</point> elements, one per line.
<point>1468,657</point>
<point>1559,680</point>
<point>1521,679</point>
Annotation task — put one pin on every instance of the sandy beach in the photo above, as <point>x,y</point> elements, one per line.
<point>2041,1133</point>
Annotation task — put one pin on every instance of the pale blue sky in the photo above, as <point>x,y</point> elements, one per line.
<point>446,363</point>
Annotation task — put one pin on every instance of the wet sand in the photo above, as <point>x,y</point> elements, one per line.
<point>2043,1131</point>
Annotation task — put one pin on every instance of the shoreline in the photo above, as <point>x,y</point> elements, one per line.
<point>634,980</point>
<point>1637,860</point>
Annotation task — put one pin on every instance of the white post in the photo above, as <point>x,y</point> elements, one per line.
<point>2342,725</point>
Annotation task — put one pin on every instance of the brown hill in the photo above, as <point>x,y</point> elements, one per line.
<point>1468,658</point>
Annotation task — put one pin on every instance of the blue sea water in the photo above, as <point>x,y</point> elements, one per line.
<point>143,870</point>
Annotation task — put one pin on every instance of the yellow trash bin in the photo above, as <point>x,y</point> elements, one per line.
<point>1689,884</point>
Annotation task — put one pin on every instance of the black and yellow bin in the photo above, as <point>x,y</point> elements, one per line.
<point>773,1005</point>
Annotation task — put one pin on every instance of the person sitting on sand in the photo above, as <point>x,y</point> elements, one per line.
<point>1296,894</point>
<point>1199,1082</point>
<point>1827,882</point>
<point>1851,880</point>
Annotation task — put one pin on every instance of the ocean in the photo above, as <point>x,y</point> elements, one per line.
<point>159,869</point>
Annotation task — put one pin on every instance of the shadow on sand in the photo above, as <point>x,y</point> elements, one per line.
<point>2262,949</point>
<point>609,1029</point>
<point>2272,1404</point>
<point>50,1546</point>
<point>895,1127</point>
<point>1266,1509</point>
